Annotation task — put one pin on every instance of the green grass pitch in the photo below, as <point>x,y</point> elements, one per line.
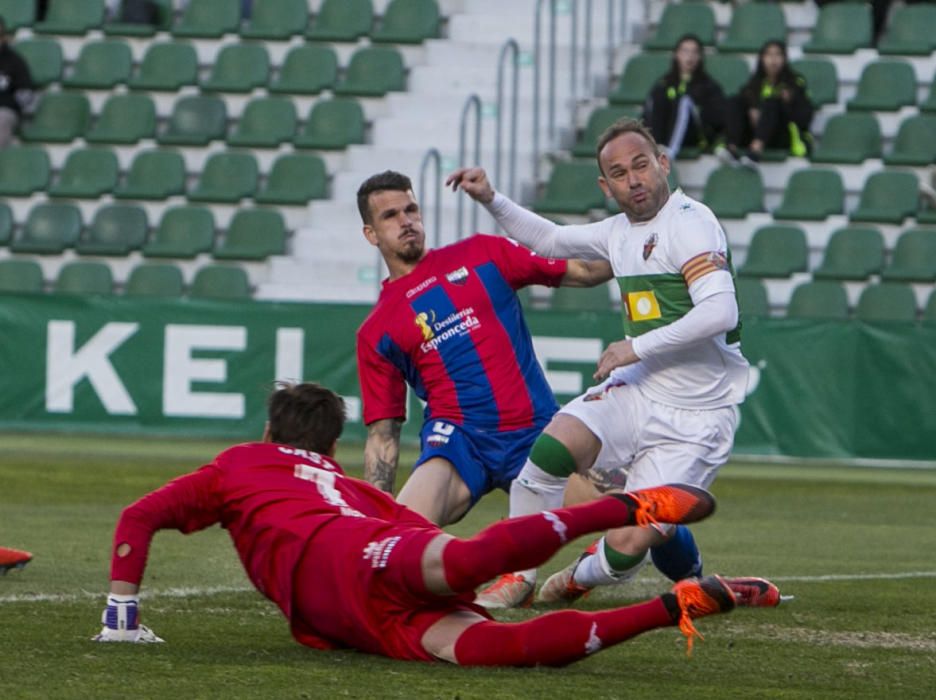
<point>857,548</point>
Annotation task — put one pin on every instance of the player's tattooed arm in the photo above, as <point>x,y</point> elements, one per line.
<point>382,453</point>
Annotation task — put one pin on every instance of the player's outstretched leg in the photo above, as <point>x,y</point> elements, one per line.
<point>13,559</point>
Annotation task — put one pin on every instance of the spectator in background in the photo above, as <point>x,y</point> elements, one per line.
<point>686,107</point>
<point>16,87</point>
<point>773,110</point>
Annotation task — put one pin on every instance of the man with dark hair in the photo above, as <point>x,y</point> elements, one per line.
<point>350,567</point>
<point>16,87</point>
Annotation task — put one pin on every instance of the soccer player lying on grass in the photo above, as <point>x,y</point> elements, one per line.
<point>350,567</point>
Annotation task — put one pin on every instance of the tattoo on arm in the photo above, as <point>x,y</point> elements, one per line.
<point>382,452</point>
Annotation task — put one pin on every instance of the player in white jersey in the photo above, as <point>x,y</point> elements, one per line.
<point>665,408</point>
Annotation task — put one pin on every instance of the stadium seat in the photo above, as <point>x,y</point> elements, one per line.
<point>49,229</point>
<point>929,104</point>
<point>729,71</point>
<point>266,122</point>
<point>841,28</point>
<point>124,119</point>
<point>888,301</point>
<point>408,22</point>
<point>116,229</point>
<point>60,117</point>
<point>929,312</point>
<point>595,298</point>
<point>238,68</point>
<point>639,75</point>
<point>23,170</point>
<point>909,31</point>
<point>885,86</point>
<point>208,19</point>
<point>44,58</point>
<point>220,282</point>
<point>163,10</point>
<point>887,197</point>
<point>295,179</point>
<point>681,19</point>
<point>20,276</point>
<point>599,120</point>
<point>16,14</point>
<point>821,79</point>
<point>342,20</point>
<point>818,300</point>
<point>373,72</point>
<point>853,253</point>
<point>6,223</point>
<point>154,280</point>
<point>154,174</point>
<point>183,232</point>
<point>226,178</point>
<point>752,297</point>
<point>333,125</point>
<point>733,193</point>
<point>253,234</point>
<point>70,17</point>
<point>812,194</point>
<point>87,173</point>
<point>166,67</point>
<point>276,19</point>
<point>849,138</point>
<point>752,25</point>
<point>101,65</point>
<point>914,258</point>
<point>776,251</point>
<point>927,212</point>
<point>572,189</point>
<point>306,70</point>
<point>196,120</point>
<point>915,143</point>
<point>84,277</point>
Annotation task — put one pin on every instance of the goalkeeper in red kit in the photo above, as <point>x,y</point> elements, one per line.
<point>350,567</point>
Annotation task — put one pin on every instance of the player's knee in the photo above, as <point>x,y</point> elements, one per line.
<point>552,457</point>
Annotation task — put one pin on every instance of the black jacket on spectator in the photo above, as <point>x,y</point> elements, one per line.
<point>14,76</point>
<point>660,109</point>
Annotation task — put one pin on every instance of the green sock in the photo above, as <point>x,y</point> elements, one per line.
<point>552,456</point>
<point>620,562</point>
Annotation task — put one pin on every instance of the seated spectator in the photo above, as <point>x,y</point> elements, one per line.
<point>16,87</point>
<point>686,107</point>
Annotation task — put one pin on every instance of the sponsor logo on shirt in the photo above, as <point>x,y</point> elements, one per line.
<point>379,552</point>
<point>459,276</point>
<point>423,320</point>
<point>454,325</point>
<point>649,245</point>
<point>421,286</point>
<point>642,306</point>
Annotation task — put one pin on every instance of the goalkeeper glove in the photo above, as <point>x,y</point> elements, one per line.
<point>121,620</point>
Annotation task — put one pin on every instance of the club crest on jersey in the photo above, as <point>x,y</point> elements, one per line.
<point>459,276</point>
<point>424,321</point>
<point>649,245</point>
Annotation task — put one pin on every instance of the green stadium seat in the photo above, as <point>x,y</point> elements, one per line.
<point>729,71</point>
<point>277,19</point>
<point>44,58</point>
<point>733,193</point>
<point>101,65</point>
<point>164,12</point>
<point>926,213</point>
<point>910,31</point>
<point>812,194</point>
<point>166,66</point>
<point>295,179</point>
<point>681,19</point>
<point>6,223</point>
<point>885,86</point>
<point>887,197</point>
<point>915,143</point>
<point>342,20</point>
<point>373,72</point>
<point>17,14</point>
<point>776,251</point>
<point>196,120</point>
<point>821,79</point>
<point>914,258</point>
<point>752,25</point>
<point>60,117</point>
<point>599,120</point>
<point>238,68</point>
<point>929,312</point>
<point>572,189</point>
<point>928,105</point>
<point>124,119</point>
<point>266,122</point>
<point>306,70</point>
<point>87,173</point>
<point>154,280</point>
<point>50,228</point>
<point>639,75</point>
<point>841,28</point>
<point>20,276</point>
<point>208,19</point>
<point>849,138</point>
<point>408,22</point>
<point>752,297</point>
<point>888,301</point>
<point>818,300</point>
<point>23,170</point>
<point>154,174</point>
<point>226,178</point>
<point>853,253</point>
<point>70,17</point>
<point>116,229</point>
<point>253,234</point>
<point>84,277</point>
<point>220,282</point>
<point>595,298</point>
<point>183,232</point>
<point>333,125</point>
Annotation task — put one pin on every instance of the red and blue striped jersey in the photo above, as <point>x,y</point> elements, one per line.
<point>453,329</point>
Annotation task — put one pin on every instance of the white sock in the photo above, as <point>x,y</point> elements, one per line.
<point>534,491</point>
<point>594,570</point>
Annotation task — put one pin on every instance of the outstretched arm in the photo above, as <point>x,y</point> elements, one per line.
<point>382,452</point>
<point>587,273</point>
